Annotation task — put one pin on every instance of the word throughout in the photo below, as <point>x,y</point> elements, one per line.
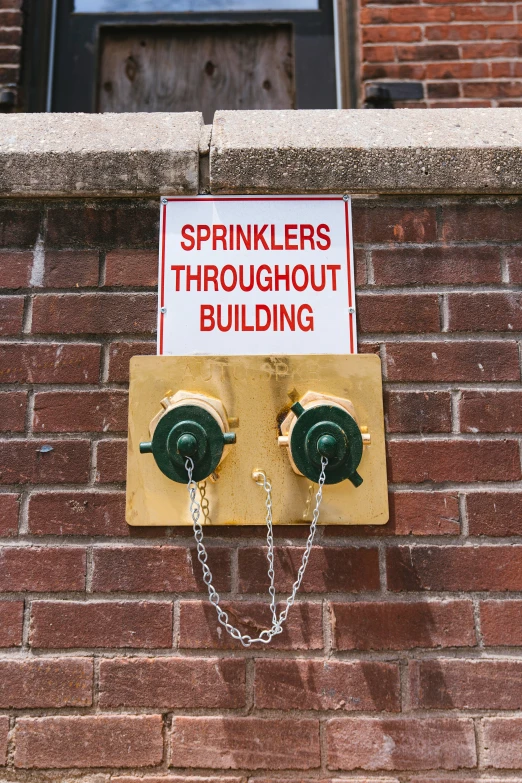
<point>251,277</point>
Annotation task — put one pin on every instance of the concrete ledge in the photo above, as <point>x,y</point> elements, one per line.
<point>402,151</point>
<point>99,154</point>
<point>475,151</point>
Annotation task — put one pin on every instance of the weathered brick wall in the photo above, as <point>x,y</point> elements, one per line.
<point>465,52</point>
<point>402,655</point>
<point>10,46</point>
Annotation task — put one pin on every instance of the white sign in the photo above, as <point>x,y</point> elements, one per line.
<point>182,6</point>
<point>256,275</point>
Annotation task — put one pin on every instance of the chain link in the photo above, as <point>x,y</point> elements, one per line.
<point>196,509</point>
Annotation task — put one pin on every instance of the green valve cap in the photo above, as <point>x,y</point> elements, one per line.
<point>187,431</point>
<point>326,431</point>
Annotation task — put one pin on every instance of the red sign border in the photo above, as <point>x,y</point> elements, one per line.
<point>165,200</point>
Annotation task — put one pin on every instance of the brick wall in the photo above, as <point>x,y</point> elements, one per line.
<point>402,655</point>
<point>10,49</point>
<point>465,52</point>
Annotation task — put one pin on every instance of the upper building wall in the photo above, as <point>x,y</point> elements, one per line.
<point>462,53</point>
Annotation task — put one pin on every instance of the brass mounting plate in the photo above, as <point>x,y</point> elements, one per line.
<point>255,390</point>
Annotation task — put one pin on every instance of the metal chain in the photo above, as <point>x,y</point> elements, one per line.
<point>267,635</point>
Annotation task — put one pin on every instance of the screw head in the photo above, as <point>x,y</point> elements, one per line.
<point>163,310</point>
<point>164,200</point>
<point>351,310</point>
<point>346,198</point>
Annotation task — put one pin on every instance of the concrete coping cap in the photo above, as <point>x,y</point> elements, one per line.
<point>367,151</point>
<point>475,151</point>
<point>99,154</point>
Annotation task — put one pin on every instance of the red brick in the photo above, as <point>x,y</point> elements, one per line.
<point>486,51</point>
<point>49,363</point>
<point>514,257</point>
<point>9,508</point>
<point>400,743</point>
<point>491,90</point>
<point>491,312</point>
<point>470,222</point>
<point>494,513</point>
<point>424,513</point>
<point>70,269</point>
<point>461,32</point>
<point>10,55</point>
<point>15,269</point>
<point>428,52</point>
<point>441,265</point>
<point>454,568</point>
<point>199,628</point>
<point>120,354</point>
<point>329,569</point>
<point>453,460</point>
<point>13,406</point>
<point>19,227</point>
<point>443,90</point>
<point>173,683</point>
<point>4,732</point>
<point>457,70</point>
<point>501,623</point>
<point>10,18</point>
<point>70,624</point>
<point>484,13</point>
<point>382,223</point>
<point>402,626</point>
<point>97,411</point>
<point>508,69</point>
<point>460,104</point>
<point>11,619</point>
<point>378,54</point>
<point>482,360</point>
<point>502,748</point>
<point>46,682</point>
<point>394,71</point>
<point>388,313</point>
<point>9,73</point>
<point>77,514</point>
<point>41,569</point>
<point>422,411</point>
<point>406,14</point>
<point>384,34</point>
<point>89,741</point>
<point>100,313</point>
<point>131,268</point>
<point>327,685</point>
<point>498,411</point>
<point>144,569</point>
<point>368,347</point>
<point>105,224</point>
<point>111,459</point>
<point>465,685</point>
<point>160,778</point>
<point>11,315</point>
<point>359,260</point>
<point>245,743</point>
<point>29,462</point>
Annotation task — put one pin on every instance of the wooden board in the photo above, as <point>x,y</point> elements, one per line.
<point>196,68</point>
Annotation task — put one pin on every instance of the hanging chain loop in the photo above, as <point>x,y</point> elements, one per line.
<point>267,635</point>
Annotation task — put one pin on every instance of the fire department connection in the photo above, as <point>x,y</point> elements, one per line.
<point>256,279</point>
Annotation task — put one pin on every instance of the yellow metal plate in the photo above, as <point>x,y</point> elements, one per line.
<point>255,390</point>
